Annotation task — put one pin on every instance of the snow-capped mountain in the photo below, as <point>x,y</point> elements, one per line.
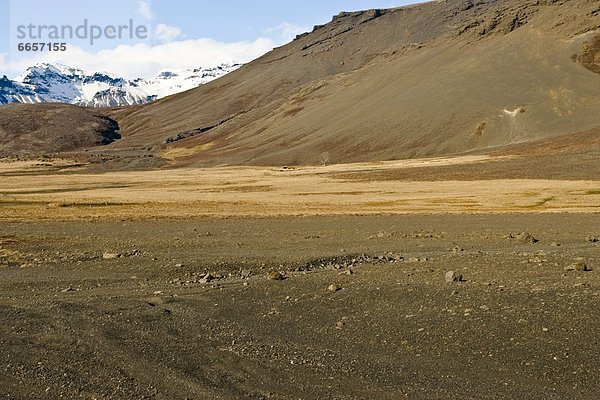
<point>55,83</point>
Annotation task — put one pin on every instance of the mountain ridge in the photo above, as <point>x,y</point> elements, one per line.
<point>436,78</point>
<point>57,83</point>
<point>433,79</point>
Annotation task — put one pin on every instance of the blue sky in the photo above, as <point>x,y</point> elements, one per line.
<point>184,33</point>
<point>243,20</point>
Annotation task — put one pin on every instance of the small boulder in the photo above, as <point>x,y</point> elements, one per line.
<point>206,279</point>
<point>334,288</point>
<point>580,266</point>
<point>276,276</point>
<point>110,256</point>
<point>453,277</point>
<point>526,238</point>
<point>245,274</point>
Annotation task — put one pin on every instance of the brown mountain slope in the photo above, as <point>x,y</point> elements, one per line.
<point>30,130</point>
<point>436,78</point>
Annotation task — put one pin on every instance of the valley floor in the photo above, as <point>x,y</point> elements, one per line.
<point>468,184</point>
<point>266,283</point>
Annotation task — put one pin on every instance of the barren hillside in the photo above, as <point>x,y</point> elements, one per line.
<point>437,78</point>
<point>27,129</point>
<point>433,79</point>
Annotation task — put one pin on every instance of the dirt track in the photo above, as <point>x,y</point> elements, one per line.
<point>76,325</point>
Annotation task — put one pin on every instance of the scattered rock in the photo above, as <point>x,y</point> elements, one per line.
<point>526,238</point>
<point>276,276</point>
<point>334,288</point>
<point>111,256</point>
<point>580,266</point>
<point>246,274</point>
<point>206,279</point>
<point>348,261</point>
<point>592,239</point>
<point>179,265</point>
<point>452,277</point>
<point>416,259</point>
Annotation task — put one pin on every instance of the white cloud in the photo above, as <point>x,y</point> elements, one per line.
<point>166,33</point>
<point>144,9</point>
<point>3,63</point>
<point>145,61</point>
<point>285,32</point>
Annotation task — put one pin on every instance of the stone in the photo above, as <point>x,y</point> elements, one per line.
<point>246,274</point>
<point>276,276</point>
<point>110,256</point>
<point>452,277</point>
<point>580,266</point>
<point>526,238</point>
<point>334,288</point>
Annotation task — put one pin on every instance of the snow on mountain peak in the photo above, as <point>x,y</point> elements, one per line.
<point>47,70</point>
<point>54,83</point>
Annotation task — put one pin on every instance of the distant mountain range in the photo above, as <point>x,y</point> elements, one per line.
<point>55,83</point>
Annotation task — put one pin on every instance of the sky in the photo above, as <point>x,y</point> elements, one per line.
<point>180,33</point>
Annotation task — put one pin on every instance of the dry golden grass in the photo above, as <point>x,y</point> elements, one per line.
<point>52,190</point>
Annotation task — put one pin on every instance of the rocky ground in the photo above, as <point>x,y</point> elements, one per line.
<point>386,307</point>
